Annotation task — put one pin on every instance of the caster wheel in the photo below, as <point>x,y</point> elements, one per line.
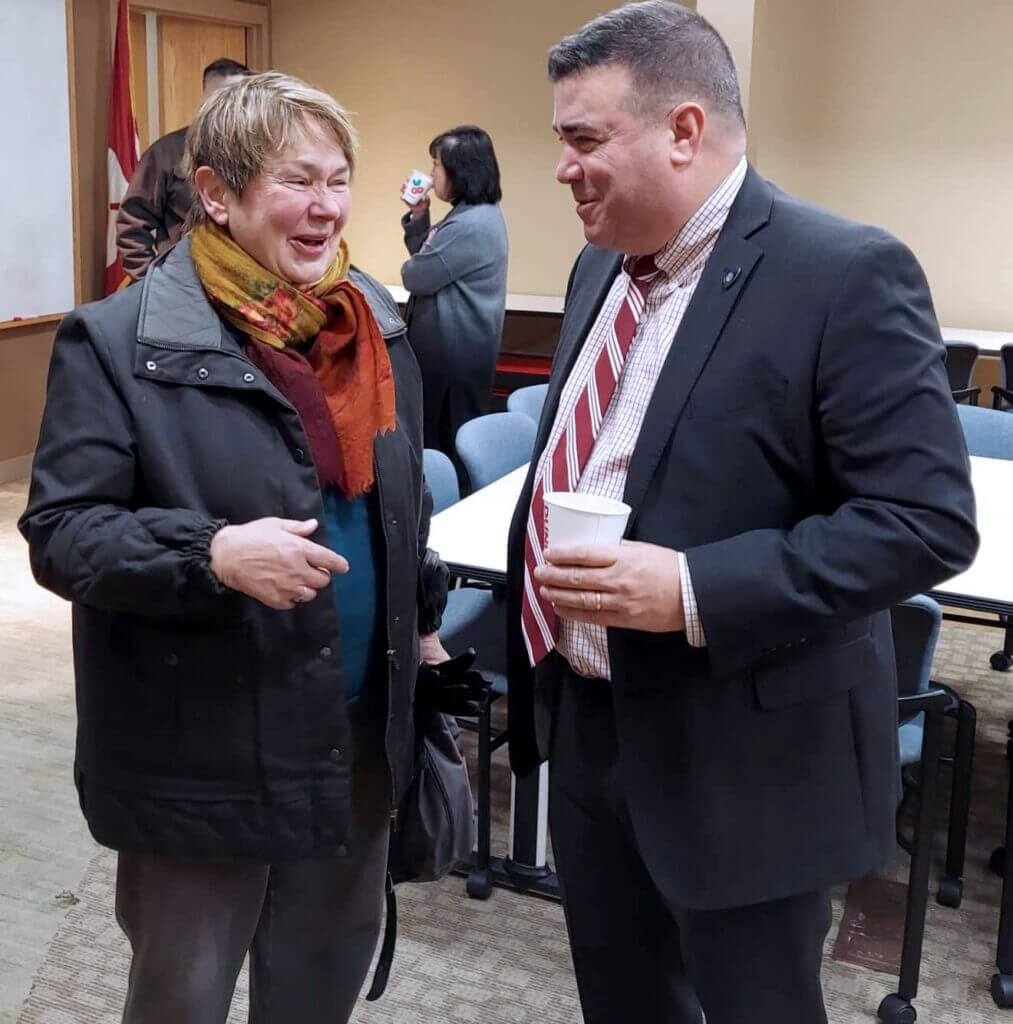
<point>479,885</point>
<point>951,891</point>
<point>1001,661</point>
<point>1002,990</point>
<point>997,860</point>
<point>894,1010</point>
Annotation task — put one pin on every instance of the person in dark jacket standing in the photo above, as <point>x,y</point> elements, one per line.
<point>457,277</point>
<point>228,488</point>
<point>158,198</point>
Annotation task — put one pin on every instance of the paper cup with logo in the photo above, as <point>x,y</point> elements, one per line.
<point>585,518</point>
<point>417,185</point>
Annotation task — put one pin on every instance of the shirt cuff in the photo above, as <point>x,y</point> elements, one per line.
<point>694,627</point>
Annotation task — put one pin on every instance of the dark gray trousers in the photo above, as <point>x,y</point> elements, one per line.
<point>310,926</point>
<point>636,957</point>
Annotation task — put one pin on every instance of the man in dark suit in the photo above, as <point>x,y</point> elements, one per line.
<point>763,383</point>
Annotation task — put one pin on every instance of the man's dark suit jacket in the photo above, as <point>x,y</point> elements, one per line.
<point>803,449</point>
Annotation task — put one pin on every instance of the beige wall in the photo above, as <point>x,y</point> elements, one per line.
<point>409,72</point>
<point>898,114</point>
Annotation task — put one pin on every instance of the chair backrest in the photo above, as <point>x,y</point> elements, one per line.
<point>989,433</point>
<point>528,400</point>
<point>916,624</point>
<point>441,477</point>
<point>960,359</point>
<point>493,445</point>
<point>1006,366</point>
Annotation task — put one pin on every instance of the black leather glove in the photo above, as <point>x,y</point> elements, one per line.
<point>453,687</point>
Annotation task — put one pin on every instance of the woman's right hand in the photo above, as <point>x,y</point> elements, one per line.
<point>272,561</point>
<point>416,209</point>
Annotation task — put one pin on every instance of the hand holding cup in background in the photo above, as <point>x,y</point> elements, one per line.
<point>415,192</point>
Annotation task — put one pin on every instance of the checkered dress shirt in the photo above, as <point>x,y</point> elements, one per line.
<point>681,262</point>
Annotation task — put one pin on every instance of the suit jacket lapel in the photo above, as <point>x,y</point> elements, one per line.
<point>725,277</point>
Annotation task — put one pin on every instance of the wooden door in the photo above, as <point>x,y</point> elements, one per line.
<point>139,76</point>
<point>185,48</point>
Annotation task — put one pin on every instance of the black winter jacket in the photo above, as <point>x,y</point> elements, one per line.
<point>208,724</point>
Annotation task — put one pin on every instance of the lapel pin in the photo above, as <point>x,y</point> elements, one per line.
<point>731,276</point>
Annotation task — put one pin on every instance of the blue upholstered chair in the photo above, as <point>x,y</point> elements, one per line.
<point>528,401</point>
<point>921,705</point>
<point>491,446</point>
<point>474,617</point>
<point>442,479</point>
<point>989,433</point>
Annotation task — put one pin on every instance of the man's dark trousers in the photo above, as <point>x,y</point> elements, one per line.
<point>637,958</point>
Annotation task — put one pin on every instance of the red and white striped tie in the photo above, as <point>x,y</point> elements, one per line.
<point>562,469</point>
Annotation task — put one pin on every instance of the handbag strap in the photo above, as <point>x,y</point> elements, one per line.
<point>383,965</point>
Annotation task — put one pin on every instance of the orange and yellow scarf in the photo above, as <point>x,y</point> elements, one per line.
<point>344,381</point>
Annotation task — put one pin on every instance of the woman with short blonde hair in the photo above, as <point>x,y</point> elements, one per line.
<point>227,486</point>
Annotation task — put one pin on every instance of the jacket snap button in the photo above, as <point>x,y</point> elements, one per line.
<point>299,455</point>
<point>325,652</point>
<point>397,619</point>
<point>342,851</point>
<point>151,364</point>
<point>172,660</point>
<point>249,378</point>
<point>393,522</point>
<point>202,373</point>
<point>335,755</point>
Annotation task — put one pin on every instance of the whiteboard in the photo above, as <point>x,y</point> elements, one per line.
<point>36,209</point>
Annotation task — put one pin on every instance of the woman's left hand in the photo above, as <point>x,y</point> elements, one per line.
<point>431,651</point>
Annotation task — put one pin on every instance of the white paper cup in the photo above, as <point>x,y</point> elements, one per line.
<point>585,518</point>
<point>416,187</point>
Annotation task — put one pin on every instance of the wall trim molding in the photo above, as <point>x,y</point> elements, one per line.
<point>15,469</point>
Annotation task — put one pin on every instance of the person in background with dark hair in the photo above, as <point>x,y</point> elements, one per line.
<point>457,277</point>
<point>158,198</point>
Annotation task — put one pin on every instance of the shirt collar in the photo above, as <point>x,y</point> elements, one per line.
<point>696,234</point>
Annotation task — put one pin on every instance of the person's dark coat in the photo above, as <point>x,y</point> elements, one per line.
<point>154,208</point>
<point>208,724</point>
<point>457,280</point>
<point>802,448</point>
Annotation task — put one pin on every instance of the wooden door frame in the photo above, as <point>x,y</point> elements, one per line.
<point>255,18</point>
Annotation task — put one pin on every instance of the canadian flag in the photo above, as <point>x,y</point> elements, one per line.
<point>122,154</point>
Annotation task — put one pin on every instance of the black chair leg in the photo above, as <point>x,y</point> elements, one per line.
<point>1002,980</point>
<point>479,884</point>
<point>1002,660</point>
<point>896,1008</point>
<point>951,885</point>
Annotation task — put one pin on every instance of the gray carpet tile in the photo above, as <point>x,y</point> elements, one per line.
<point>64,961</point>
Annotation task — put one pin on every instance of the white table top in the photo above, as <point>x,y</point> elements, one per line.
<point>471,536</point>
<point>989,581</point>
<point>988,341</point>
<point>515,301</point>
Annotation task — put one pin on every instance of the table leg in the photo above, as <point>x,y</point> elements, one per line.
<point>1002,980</point>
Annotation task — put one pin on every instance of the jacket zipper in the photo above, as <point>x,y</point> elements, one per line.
<point>391,653</point>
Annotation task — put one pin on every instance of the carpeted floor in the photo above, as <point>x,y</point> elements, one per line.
<point>458,960</point>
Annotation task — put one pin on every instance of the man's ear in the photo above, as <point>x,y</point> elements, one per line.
<point>214,194</point>
<point>686,126</point>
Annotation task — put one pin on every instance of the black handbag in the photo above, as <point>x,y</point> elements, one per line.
<point>434,827</point>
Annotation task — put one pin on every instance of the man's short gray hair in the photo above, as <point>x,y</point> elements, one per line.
<point>674,55</point>
<point>247,123</point>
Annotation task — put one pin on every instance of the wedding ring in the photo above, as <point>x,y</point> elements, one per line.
<point>302,597</point>
<point>597,600</point>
